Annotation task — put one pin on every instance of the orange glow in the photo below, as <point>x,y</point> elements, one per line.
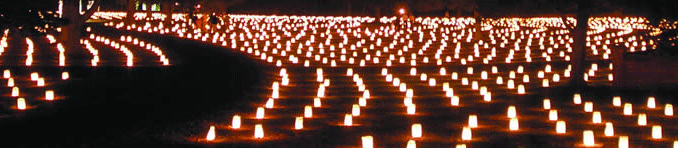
<point>588,107</point>
<point>668,110</point>
<point>258,131</point>
<point>10,82</point>
<point>609,130</point>
<point>316,102</point>
<point>34,76</point>
<point>436,44</point>
<point>355,111</point>
<point>367,141</point>
<point>597,117</point>
<point>623,141</point>
<point>65,76</point>
<point>260,113</point>
<point>299,123</point>
<point>15,91</point>
<point>416,130</point>
<point>628,109</point>
<point>211,134</point>
<point>6,74</point>
<point>511,113</point>
<point>407,101</point>
<point>472,121</point>
<point>616,101</point>
<point>308,111</point>
<point>651,103</point>
<point>362,102</point>
<point>366,94</point>
<point>560,127</point>
<point>513,124</point>
<point>411,109</point>
<point>21,104</point>
<point>577,99</point>
<point>275,94</point>
<point>411,144</point>
<point>521,89</point>
<point>642,119</point>
<point>553,115</point>
<point>348,120</point>
<point>466,133</point>
<point>656,132</point>
<point>269,103</point>
<point>487,97</point>
<point>49,95</point>
<point>589,140</point>
<point>454,100</point>
<point>235,122</point>
<point>41,82</point>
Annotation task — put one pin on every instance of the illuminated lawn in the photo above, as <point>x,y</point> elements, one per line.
<point>357,81</point>
<point>383,82</point>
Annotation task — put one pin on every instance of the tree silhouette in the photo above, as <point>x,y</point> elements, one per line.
<point>71,33</point>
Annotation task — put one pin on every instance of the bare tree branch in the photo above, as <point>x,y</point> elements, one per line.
<point>90,11</point>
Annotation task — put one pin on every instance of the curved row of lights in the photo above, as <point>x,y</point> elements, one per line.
<point>288,41</point>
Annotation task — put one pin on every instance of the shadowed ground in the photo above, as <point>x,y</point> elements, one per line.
<point>168,106</point>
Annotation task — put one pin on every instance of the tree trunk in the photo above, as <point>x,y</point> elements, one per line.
<point>148,11</point>
<point>479,35</point>
<point>578,60</point>
<point>348,10</point>
<point>131,5</point>
<point>71,33</point>
<point>377,11</point>
<point>168,8</point>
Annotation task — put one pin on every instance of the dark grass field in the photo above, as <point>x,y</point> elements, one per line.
<point>115,106</point>
<point>173,106</point>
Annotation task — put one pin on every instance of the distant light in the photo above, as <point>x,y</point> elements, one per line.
<point>211,134</point>
<point>642,119</point>
<point>466,134</point>
<point>623,141</point>
<point>628,109</point>
<point>299,123</point>
<point>235,123</point>
<point>588,138</point>
<point>609,129</point>
<point>473,121</point>
<point>411,144</point>
<point>513,124</point>
<point>401,11</point>
<point>577,99</point>
<point>367,142</point>
<point>348,120</point>
<point>656,132</point>
<point>616,101</point>
<point>553,115</point>
<point>49,95</point>
<point>416,130</point>
<point>560,127</point>
<point>21,104</point>
<point>258,131</point>
<point>668,110</point>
